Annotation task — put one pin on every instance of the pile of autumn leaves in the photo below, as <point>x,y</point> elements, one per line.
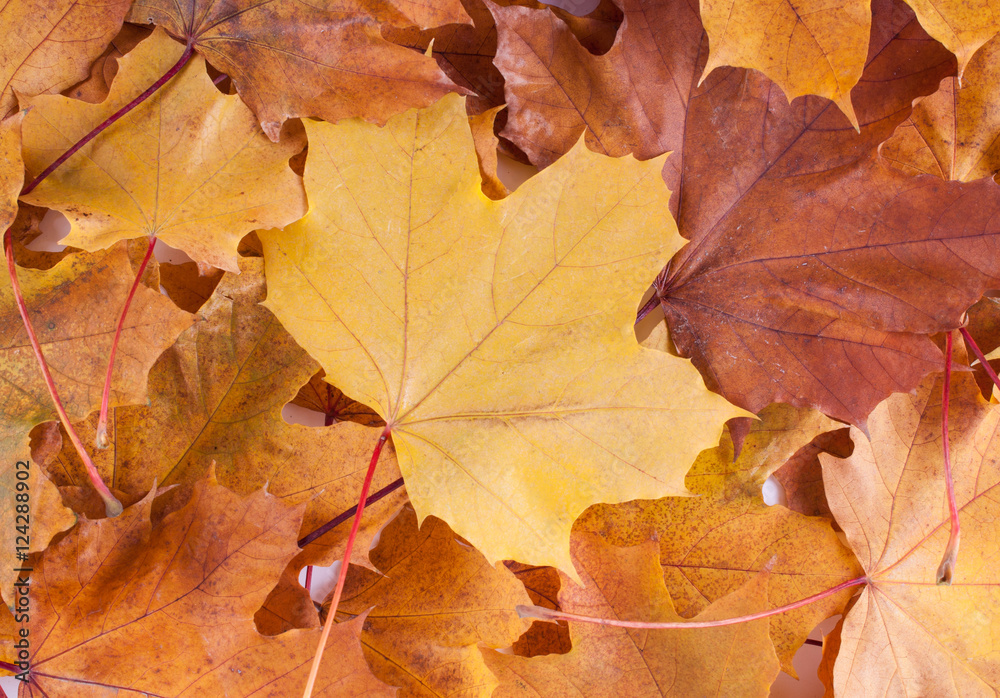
<point>492,332</point>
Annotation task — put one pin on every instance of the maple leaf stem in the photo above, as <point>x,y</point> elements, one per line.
<point>309,577</point>
<point>946,569</point>
<point>646,309</point>
<point>344,516</point>
<point>182,61</point>
<point>7,666</point>
<point>549,614</point>
<point>979,355</point>
<point>111,505</point>
<point>342,577</point>
<point>101,438</point>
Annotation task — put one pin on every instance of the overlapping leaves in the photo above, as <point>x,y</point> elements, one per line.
<point>491,334</point>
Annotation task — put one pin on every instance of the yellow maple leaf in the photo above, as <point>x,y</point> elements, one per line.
<point>189,165</point>
<point>806,47</point>
<point>494,337</point>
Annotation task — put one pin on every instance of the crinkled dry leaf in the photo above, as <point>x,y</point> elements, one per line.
<point>486,150</point>
<point>167,610</point>
<point>630,100</point>
<point>75,345</point>
<point>342,66</point>
<point>440,309</point>
<point>712,544</point>
<point>627,583</point>
<point>50,45</point>
<point>437,601</point>
<point>217,395</point>
<point>906,635</point>
<point>189,165</point>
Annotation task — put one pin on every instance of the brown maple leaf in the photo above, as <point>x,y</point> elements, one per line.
<point>814,268</point>
<point>466,53</point>
<point>75,345</point>
<point>50,46</point>
<point>122,605</point>
<point>632,99</point>
<point>341,65</point>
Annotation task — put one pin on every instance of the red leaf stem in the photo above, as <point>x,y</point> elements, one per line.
<point>979,355</point>
<point>549,614</point>
<point>101,438</point>
<point>111,505</point>
<point>342,577</point>
<point>946,569</point>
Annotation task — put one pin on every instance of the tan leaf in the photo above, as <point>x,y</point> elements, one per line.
<point>217,395</point>
<point>167,610</point>
<point>713,544</point>
<point>906,635</point>
<point>437,601</point>
<point>626,583</point>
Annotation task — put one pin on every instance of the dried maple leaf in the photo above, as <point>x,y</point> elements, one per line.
<point>436,602</point>
<point>75,344</point>
<point>121,605</point>
<point>631,100</point>
<point>217,395</point>
<point>955,132</point>
<point>829,319</point>
<point>189,165</point>
<point>712,544</point>
<point>341,65</point>
<point>806,48</point>
<point>51,45</point>
<point>906,635</point>
<point>465,53</point>
<point>495,338</point>
<point>627,583</point>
